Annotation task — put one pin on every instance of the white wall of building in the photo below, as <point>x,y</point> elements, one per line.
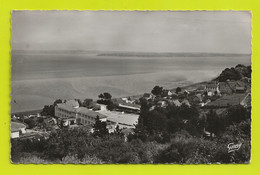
<point>15,134</point>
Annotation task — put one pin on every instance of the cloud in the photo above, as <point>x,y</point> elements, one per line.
<point>221,32</point>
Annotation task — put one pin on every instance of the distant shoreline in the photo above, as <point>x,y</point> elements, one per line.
<point>27,112</point>
<point>135,96</point>
<point>135,54</point>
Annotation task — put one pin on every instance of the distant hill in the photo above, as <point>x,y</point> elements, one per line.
<point>235,73</point>
<point>130,54</point>
<point>168,54</point>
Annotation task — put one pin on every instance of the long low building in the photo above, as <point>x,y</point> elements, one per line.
<point>87,117</point>
<point>70,113</point>
<point>129,108</point>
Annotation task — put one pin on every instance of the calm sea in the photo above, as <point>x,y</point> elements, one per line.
<point>40,78</point>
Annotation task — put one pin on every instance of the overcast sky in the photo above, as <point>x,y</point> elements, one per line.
<point>215,32</point>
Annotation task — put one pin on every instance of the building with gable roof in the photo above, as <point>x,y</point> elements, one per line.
<point>212,88</point>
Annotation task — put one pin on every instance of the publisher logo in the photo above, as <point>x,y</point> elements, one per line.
<point>233,147</point>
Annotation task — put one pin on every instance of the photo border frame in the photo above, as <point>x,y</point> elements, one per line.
<point>6,6</point>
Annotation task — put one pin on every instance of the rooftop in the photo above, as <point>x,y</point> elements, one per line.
<point>211,85</point>
<point>176,103</point>
<point>240,88</point>
<point>130,106</point>
<point>201,88</point>
<point>16,126</point>
<point>66,107</point>
<point>81,110</point>
<point>90,113</point>
<point>72,103</point>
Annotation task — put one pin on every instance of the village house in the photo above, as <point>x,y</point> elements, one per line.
<point>17,129</point>
<point>149,96</point>
<point>128,100</point>
<point>196,99</point>
<point>212,88</point>
<point>232,84</point>
<point>166,93</point>
<point>200,89</point>
<point>224,88</point>
<point>176,103</point>
<point>199,100</point>
<point>111,126</point>
<point>162,103</point>
<point>186,102</point>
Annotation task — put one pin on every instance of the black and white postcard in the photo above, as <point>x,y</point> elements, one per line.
<point>131,87</point>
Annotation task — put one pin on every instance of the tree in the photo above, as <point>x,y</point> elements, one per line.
<point>157,90</point>
<point>87,102</point>
<point>100,128</point>
<point>105,96</point>
<point>101,96</point>
<point>111,105</point>
<point>50,109</point>
<point>249,72</point>
<point>65,142</point>
<point>31,122</point>
<point>57,102</point>
<point>190,118</point>
<point>234,73</point>
<point>215,124</point>
<point>157,122</point>
<point>236,114</point>
<point>79,102</point>
<point>178,89</point>
<point>117,130</point>
<point>143,117</point>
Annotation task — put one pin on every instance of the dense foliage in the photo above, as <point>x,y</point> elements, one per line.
<point>49,110</point>
<point>163,135</point>
<point>169,134</point>
<point>235,73</point>
<point>168,120</point>
<point>157,90</point>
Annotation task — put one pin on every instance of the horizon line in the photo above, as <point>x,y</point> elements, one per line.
<point>138,52</point>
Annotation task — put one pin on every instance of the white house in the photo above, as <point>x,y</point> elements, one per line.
<point>17,129</point>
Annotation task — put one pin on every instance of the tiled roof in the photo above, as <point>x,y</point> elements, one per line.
<point>201,88</point>
<point>66,107</point>
<point>212,85</point>
<point>186,102</point>
<point>199,96</point>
